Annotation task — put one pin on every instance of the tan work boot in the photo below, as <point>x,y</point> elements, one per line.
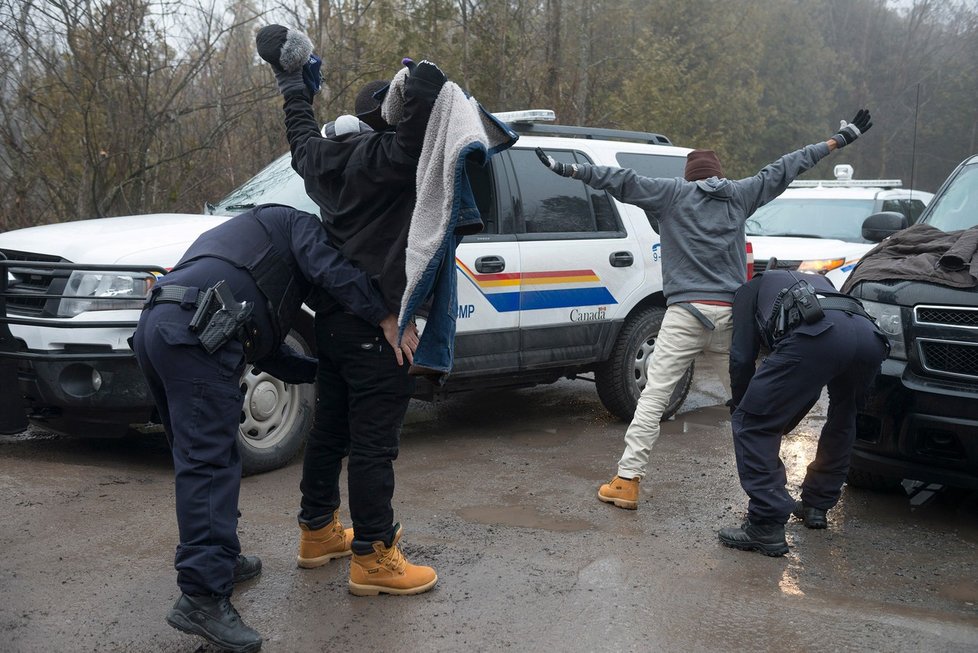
<point>317,547</point>
<point>622,492</point>
<point>386,571</point>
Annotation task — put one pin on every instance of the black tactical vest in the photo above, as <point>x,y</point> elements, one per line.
<point>246,243</point>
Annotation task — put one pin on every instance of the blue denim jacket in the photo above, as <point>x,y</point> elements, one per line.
<point>435,353</point>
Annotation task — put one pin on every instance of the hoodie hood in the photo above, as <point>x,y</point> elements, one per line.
<point>716,187</point>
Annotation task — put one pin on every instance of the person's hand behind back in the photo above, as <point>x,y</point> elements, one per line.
<point>409,341</point>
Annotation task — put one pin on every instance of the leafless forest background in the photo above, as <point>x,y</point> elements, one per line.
<point>114,107</point>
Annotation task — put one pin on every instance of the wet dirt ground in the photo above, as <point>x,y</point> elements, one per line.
<point>497,492</point>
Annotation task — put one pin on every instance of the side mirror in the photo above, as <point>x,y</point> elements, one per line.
<point>880,226</point>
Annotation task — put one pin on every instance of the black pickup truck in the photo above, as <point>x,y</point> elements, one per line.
<point>920,421</point>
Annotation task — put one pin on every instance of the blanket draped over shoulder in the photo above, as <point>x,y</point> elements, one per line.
<point>459,129</point>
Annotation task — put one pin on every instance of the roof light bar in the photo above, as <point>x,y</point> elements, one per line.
<point>527,115</point>
<point>843,183</point>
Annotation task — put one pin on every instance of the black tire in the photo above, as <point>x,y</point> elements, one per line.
<point>620,379</point>
<point>275,416</point>
<point>869,481</point>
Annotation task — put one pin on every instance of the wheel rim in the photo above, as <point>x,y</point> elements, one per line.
<point>645,349</point>
<point>268,414</point>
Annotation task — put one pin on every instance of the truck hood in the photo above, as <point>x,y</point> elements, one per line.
<point>155,239</point>
<point>905,292</point>
<point>805,249</point>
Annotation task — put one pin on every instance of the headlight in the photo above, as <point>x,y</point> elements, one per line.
<point>889,318</point>
<point>104,291</point>
<point>821,266</point>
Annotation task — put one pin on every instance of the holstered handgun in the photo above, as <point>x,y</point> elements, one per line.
<point>219,317</point>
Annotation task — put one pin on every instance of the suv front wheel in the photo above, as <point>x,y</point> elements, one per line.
<point>275,416</point>
<point>622,377</point>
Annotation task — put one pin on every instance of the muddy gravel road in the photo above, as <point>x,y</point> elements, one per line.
<point>497,492</point>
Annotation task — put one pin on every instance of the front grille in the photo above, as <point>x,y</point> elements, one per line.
<point>948,357</point>
<point>33,281</point>
<point>954,316</point>
<point>761,265</point>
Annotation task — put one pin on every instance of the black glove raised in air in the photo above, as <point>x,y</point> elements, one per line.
<point>562,169</point>
<point>426,71</point>
<point>850,131</point>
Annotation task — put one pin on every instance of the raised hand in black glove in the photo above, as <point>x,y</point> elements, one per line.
<point>562,169</point>
<point>426,71</point>
<point>289,52</point>
<point>850,131</point>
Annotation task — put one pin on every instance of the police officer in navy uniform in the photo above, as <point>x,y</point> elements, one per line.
<point>817,338</point>
<point>192,343</point>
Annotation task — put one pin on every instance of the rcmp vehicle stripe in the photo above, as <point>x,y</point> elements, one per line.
<point>494,288</point>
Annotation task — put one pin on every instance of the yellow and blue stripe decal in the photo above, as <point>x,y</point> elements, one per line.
<point>535,291</point>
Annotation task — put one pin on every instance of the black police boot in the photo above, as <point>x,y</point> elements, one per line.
<point>813,517</point>
<point>766,537</point>
<point>214,619</point>
<point>245,568</point>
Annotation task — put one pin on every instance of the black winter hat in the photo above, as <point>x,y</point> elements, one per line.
<point>367,107</point>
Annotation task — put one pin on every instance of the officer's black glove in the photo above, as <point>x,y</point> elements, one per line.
<point>850,131</point>
<point>290,54</point>
<point>562,169</point>
<point>426,71</point>
<point>288,365</point>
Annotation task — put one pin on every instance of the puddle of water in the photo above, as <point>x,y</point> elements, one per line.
<point>534,437</point>
<point>522,517</point>
<point>709,417</point>
<point>964,591</point>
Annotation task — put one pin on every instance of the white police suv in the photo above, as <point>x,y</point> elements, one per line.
<point>816,225</point>
<point>563,282</point>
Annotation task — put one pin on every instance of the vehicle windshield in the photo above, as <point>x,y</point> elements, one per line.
<point>811,218</point>
<point>276,184</point>
<point>957,206</point>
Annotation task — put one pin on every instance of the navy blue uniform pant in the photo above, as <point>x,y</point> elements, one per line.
<point>844,357</point>
<point>363,395</point>
<point>199,399</point>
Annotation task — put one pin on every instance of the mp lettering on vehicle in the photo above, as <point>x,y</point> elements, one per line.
<point>534,291</point>
<point>465,311</point>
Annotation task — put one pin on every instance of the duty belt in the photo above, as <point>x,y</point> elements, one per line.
<point>175,294</point>
<point>219,316</point>
<point>847,304</point>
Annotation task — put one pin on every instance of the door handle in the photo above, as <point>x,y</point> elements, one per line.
<point>621,259</point>
<point>490,264</point>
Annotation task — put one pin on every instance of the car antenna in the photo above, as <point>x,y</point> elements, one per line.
<point>913,149</point>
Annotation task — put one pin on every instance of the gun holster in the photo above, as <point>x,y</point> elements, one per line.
<point>219,317</point>
<point>793,306</point>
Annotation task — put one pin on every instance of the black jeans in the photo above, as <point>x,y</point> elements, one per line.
<point>363,396</point>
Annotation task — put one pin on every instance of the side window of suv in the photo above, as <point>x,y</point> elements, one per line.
<point>911,209</point>
<point>653,165</point>
<point>559,205</point>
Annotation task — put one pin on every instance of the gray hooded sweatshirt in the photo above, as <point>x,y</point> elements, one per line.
<point>701,224</point>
